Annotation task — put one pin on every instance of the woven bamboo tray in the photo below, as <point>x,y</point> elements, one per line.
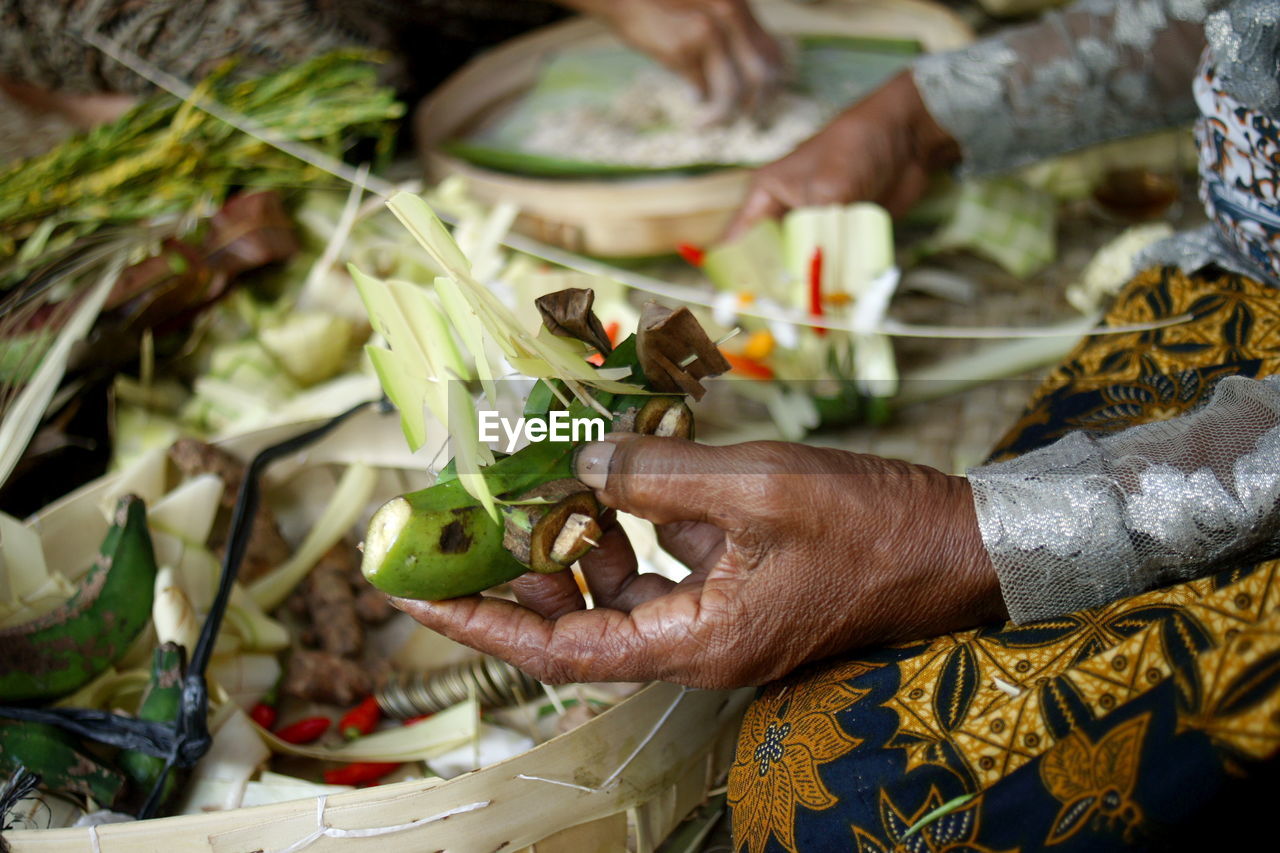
<point>637,217</point>
<point>621,781</point>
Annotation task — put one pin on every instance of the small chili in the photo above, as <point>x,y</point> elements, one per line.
<point>361,719</point>
<point>305,730</point>
<point>358,773</point>
<point>264,715</point>
<point>815,288</point>
<point>691,253</point>
<point>748,366</point>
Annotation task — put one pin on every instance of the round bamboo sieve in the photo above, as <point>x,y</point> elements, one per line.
<point>641,217</point>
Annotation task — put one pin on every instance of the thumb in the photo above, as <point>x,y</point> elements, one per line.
<point>759,204</point>
<point>669,479</point>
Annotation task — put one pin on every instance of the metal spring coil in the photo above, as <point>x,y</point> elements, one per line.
<point>494,683</point>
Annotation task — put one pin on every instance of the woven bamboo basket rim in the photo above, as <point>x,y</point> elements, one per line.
<point>633,772</point>
<point>646,215</point>
<point>526,800</point>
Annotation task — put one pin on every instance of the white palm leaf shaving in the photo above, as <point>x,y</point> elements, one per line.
<point>468,327</point>
<point>480,239</point>
<point>405,371</point>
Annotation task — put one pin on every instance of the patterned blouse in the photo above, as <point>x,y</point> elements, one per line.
<point>1091,519</point>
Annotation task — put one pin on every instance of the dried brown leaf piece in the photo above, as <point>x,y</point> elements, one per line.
<point>568,313</point>
<point>251,230</point>
<point>675,352</point>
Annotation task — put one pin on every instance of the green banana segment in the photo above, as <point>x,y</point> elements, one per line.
<point>437,543</point>
<point>56,757</point>
<point>160,704</point>
<point>63,650</point>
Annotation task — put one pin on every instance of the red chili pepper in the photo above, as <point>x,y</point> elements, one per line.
<point>748,366</point>
<point>359,773</point>
<point>305,730</point>
<point>692,254</point>
<point>264,715</point>
<point>415,720</point>
<point>361,719</point>
<point>815,288</point>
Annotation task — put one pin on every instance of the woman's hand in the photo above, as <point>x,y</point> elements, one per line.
<point>796,552</point>
<point>717,45</point>
<point>881,149</point>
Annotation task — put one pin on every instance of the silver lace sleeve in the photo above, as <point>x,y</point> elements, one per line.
<point>1089,520</point>
<point>1097,70</point>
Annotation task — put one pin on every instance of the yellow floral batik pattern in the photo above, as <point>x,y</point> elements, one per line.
<point>788,733</point>
<point>1064,700</point>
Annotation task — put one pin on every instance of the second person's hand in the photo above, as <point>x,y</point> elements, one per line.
<point>881,149</point>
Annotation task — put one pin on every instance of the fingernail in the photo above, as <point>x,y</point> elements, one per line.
<point>592,463</point>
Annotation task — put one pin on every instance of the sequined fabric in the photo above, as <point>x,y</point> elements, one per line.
<point>1095,71</point>
<point>1244,38</point>
<point>1102,70</point>
<point>1147,506</point>
<point>1089,520</point>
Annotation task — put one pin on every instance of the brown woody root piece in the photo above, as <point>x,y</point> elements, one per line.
<point>675,352</point>
<point>267,548</point>
<point>316,676</point>
<point>372,604</point>
<point>568,313</point>
<point>331,603</point>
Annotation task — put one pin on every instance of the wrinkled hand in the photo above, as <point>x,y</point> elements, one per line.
<point>881,149</point>
<point>717,45</point>
<point>796,553</point>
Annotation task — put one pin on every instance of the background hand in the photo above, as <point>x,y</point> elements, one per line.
<point>796,553</point>
<point>881,149</point>
<point>717,45</point>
